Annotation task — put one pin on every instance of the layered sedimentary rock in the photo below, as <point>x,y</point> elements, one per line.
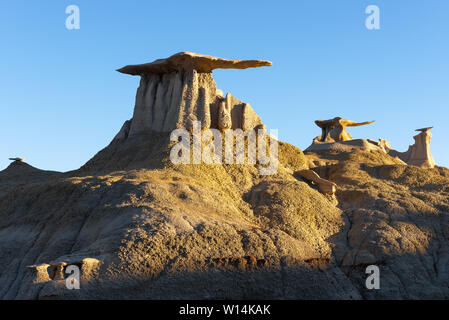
<point>419,153</point>
<point>351,145</point>
<point>179,90</point>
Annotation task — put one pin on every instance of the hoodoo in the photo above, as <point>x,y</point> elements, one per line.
<point>419,153</point>
<point>335,129</point>
<point>176,91</point>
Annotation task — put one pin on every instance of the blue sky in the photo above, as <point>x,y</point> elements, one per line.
<point>62,101</point>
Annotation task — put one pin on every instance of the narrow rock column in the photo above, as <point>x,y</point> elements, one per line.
<point>175,102</point>
<point>139,108</point>
<point>224,116</point>
<point>149,100</point>
<point>39,273</point>
<point>420,154</point>
<point>325,186</point>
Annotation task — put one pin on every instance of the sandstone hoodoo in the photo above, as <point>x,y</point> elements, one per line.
<point>325,186</point>
<point>335,129</point>
<point>334,136</point>
<point>176,91</point>
<point>418,154</point>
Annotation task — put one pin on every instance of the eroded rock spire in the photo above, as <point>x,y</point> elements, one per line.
<point>179,90</point>
<point>419,153</point>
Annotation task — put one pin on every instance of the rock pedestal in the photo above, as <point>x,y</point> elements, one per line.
<point>419,153</point>
<point>335,129</point>
<point>179,90</point>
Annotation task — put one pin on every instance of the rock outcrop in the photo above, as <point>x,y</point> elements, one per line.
<point>350,145</point>
<point>419,153</point>
<point>335,129</point>
<point>176,91</point>
<point>335,138</point>
<point>19,172</point>
<point>325,186</point>
<point>142,228</point>
<point>173,94</point>
<point>191,61</point>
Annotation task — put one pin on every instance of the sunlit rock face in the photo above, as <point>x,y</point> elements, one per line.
<point>419,153</point>
<point>335,137</point>
<point>175,92</point>
<point>335,129</point>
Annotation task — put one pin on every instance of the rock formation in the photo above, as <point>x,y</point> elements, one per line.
<point>176,91</point>
<point>17,159</point>
<point>334,136</point>
<point>335,129</point>
<point>141,228</point>
<point>325,186</point>
<point>419,153</point>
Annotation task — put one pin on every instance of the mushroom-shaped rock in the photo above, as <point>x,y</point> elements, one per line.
<point>176,91</point>
<point>419,153</point>
<point>325,186</point>
<point>335,129</point>
<point>17,159</point>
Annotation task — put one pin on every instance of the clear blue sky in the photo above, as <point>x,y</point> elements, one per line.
<point>62,101</point>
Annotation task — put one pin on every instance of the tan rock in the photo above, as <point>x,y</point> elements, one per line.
<point>325,186</point>
<point>89,268</point>
<point>39,273</point>
<point>349,145</point>
<point>191,61</point>
<point>335,129</point>
<point>175,92</point>
<point>58,271</point>
<point>419,153</point>
<point>17,159</point>
<point>224,116</point>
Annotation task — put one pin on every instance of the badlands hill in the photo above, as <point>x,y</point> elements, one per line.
<point>140,226</point>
